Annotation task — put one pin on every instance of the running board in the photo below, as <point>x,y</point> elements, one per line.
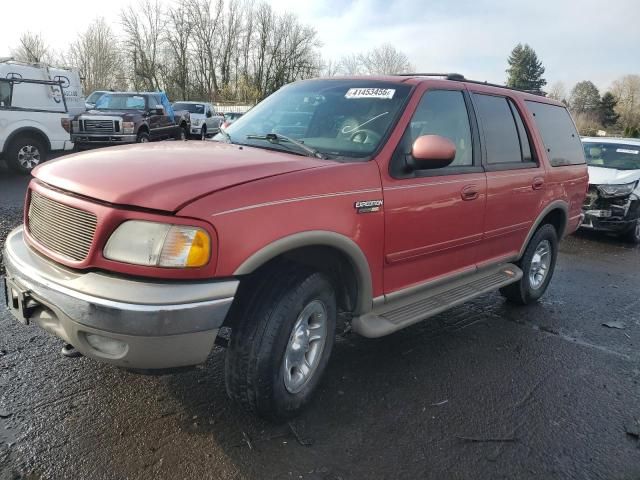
<point>398,314</point>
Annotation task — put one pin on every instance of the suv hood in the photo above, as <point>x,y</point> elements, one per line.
<point>611,176</point>
<point>168,175</point>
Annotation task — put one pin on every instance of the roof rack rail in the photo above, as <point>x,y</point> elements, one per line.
<point>449,76</point>
<point>457,77</point>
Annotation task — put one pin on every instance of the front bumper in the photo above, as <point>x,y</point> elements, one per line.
<point>614,214</point>
<point>102,139</point>
<point>157,324</point>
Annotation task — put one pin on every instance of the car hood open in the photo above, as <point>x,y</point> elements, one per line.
<point>167,175</point>
<point>611,176</point>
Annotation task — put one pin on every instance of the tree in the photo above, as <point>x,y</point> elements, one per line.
<point>626,91</point>
<point>584,98</point>
<point>32,49</point>
<point>96,54</point>
<point>144,28</point>
<point>525,70</point>
<point>608,115</point>
<point>385,60</point>
<point>557,91</point>
<point>178,38</point>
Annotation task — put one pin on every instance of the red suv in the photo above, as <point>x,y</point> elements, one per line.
<point>377,201</point>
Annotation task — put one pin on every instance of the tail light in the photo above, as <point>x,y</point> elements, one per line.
<point>66,124</point>
<point>225,124</point>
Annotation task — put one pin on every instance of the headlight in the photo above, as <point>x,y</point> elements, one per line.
<point>196,122</point>
<point>617,190</point>
<point>159,245</point>
<point>128,127</point>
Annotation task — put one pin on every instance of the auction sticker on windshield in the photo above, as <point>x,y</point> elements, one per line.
<point>625,150</point>
<point>370,93</point>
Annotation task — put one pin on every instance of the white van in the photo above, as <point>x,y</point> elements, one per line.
<point>36,106</point>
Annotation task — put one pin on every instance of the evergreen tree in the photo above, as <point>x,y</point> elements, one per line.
<point>525,70</point>
<point>608,115</point>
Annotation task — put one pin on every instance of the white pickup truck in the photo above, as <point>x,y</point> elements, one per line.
<point>36,105</point>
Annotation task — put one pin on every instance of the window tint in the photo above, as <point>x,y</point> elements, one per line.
<point>5,94</point>
<point>558,134</point>
<point>523,136</point>
<point>501,138</point>
<point>440,112</point>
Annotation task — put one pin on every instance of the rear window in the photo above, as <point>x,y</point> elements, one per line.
<point>559,134</point>
<point>5,94</point>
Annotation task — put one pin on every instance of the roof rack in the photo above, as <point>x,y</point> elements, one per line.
<point>449,76</point>
<point>458,77</point>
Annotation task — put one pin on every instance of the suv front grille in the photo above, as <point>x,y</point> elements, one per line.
<point>99,126</point>
<point>65,230</point>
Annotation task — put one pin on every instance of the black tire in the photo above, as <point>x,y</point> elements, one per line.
<point>522,292</point>
<point>261,333</point>
<point>203,132</point>
<point>143,137</point>
<point>25,153</point>
<point>633,234</point>
<point>182,133</point>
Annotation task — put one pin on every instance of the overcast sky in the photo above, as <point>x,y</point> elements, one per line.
<point>596,40</point>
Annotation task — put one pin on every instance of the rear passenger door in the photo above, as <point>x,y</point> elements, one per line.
<point>515,176</point>
<point>434,217</point>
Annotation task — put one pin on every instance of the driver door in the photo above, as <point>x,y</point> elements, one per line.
<point>434,218</point>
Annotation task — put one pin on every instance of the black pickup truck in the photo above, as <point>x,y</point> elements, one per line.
<point>126,117</point>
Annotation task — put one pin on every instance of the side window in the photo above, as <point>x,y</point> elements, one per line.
<point>502,141</point>
<point>559,134</point>
<point>440,112</point>
<point>5,94</point>
<point>523,136</point>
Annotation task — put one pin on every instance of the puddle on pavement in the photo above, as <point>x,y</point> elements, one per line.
<point>7,435</point>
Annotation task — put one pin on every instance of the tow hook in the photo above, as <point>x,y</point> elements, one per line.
<point>70,351</point>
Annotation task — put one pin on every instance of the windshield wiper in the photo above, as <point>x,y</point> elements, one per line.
<point>278,137</point>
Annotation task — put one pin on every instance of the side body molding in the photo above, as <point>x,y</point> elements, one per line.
<point>314,238</point>
<point>556,205</point>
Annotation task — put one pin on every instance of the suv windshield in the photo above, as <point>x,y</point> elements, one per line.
<point>93,98</point>
<point>189,107</point>
<point>619,156</point>
<point>338,118</point>
<point>121,102</point>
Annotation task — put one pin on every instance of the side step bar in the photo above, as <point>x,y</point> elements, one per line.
<point>401,313</point>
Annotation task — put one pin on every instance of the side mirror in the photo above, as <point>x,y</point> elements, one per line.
<point>209,114</point>
<point>432,151</point>
<point>158,110</point>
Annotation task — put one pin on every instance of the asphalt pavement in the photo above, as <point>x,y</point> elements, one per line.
<point>484,391</point>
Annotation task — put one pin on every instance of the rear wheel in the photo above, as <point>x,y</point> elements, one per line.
<point>203,132</point>
<point>280,345</point>
<point>25,153</point>
<point>633,234</point>
<point>537,264</point>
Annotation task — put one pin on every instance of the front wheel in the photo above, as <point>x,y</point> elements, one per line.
<point>143,137</point>
<point>203,132</point>
<point>281,345</point>
<point>537,264</point>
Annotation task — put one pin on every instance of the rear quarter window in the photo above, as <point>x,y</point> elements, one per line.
<point>559,134</point>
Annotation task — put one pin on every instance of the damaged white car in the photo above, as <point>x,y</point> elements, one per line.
<point>613,200</point>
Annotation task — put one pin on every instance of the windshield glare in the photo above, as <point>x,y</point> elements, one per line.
<point>189,107</point>
<point>339,118</point>
<point>619,156</point>
<point>121,102</point>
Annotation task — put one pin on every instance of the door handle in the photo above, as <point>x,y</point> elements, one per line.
<point>538,183</point>
<point>470,192</point>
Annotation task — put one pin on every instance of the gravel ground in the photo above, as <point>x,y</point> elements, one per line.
<point>486,390</point>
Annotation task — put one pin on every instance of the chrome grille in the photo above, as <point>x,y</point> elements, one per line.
<point>65,230</point>
<point>99,126</point>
